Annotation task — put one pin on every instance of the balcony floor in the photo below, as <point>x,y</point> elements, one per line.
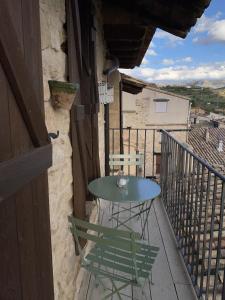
<point>169,277</point>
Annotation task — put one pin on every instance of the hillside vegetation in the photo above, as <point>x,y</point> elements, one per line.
<point>211,100</point>
<point>221,92</point>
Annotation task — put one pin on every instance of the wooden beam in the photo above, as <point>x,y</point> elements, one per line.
<point>175,24</point>
<point>123,32</point>
<point>17,172</point>
<point>73,6</point>
<point>17,72</point>
<point>124,45</point>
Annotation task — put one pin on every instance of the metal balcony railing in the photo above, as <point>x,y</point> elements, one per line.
<point>140,141</point>
<point>193,194</point>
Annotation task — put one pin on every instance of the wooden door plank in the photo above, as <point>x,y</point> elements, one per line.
<point>19,171</point>
<point>73,9</point>
<point>26,242</point>
<point>17,72</point>
<point>5,149</point>
<point>10,284</point>
<point>41,227</point>
<point>76,131</point>
<point>31,29</point>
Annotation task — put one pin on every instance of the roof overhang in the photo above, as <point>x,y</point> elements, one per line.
<point>129,25</point>
<point>131,85</point>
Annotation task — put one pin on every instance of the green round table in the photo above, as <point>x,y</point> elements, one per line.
<point>138,189</point>
<point>138,193</point>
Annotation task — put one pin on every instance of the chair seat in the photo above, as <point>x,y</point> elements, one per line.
<point>118,264</point>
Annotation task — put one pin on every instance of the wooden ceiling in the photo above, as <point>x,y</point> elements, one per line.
<point>129,25</point>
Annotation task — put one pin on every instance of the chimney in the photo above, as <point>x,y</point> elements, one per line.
<point>220,146</point>
<point>207,135</point>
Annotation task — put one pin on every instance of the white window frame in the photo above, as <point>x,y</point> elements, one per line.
<point>161,105</point>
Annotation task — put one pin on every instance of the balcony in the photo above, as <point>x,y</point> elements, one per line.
<point>170,280</point>
<point>187,222</point>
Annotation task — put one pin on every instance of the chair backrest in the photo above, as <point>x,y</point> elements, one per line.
<point>105,237</point>
<point>131,159</point>
<point>131,163</point>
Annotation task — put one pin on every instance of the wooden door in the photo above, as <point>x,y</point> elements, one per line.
<point>84,114</point>
<point>25,155</point>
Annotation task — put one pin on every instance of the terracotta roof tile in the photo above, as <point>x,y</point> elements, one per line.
<point>208,149</point>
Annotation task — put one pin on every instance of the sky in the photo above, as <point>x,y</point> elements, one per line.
<point>200,56</point>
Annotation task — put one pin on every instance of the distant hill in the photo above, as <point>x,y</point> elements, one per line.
<point>213,84</point>
<point>211,100</point>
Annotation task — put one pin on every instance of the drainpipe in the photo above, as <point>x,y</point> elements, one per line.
<point>107,72</point>
<point>188,120</point>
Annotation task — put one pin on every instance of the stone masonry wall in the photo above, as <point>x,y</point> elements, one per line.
<point>60,177</point>
<point>52,14</point>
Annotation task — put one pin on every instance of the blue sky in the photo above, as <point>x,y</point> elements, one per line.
<point>200,56</point>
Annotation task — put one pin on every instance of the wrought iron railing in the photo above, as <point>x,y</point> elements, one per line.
<point>193,194</point>
<point>141,141</point>
<point>136,141</point>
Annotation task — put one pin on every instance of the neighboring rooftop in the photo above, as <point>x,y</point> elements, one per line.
<point>205,142</point>
<point>134,85</point>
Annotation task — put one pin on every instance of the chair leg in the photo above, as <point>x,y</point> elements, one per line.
<point>115,290</point>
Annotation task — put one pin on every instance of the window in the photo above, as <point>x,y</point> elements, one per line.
<point>161,105</point>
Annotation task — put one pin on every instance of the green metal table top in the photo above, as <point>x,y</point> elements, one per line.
<point>138,189</point>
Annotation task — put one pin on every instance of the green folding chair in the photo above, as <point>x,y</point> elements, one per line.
<point>117,255</point>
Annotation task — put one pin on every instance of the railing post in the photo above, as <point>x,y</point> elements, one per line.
<point>106,132</point>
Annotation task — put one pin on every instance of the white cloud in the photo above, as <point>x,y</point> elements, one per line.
<point>205,23</point>
<point>212,27</point>
<point>168,62</point>
<point>151,52</point>
<point>186,59</point>
<point>170,38</point>
<point>217,31</point>
<point>181,73</point>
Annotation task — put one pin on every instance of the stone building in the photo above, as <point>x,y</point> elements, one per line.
<point>148,108</point>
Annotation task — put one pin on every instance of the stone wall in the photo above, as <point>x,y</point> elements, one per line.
<point>144,105</point>
<point>65,263</point>
<point>52,14</point>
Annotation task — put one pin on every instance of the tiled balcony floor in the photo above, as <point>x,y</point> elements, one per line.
<point>170,281</point>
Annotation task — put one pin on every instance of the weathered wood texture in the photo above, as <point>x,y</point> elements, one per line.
<point>25,256</point>
<point>84,118</point>
<point>17,172</point>
<point>16,70</point>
